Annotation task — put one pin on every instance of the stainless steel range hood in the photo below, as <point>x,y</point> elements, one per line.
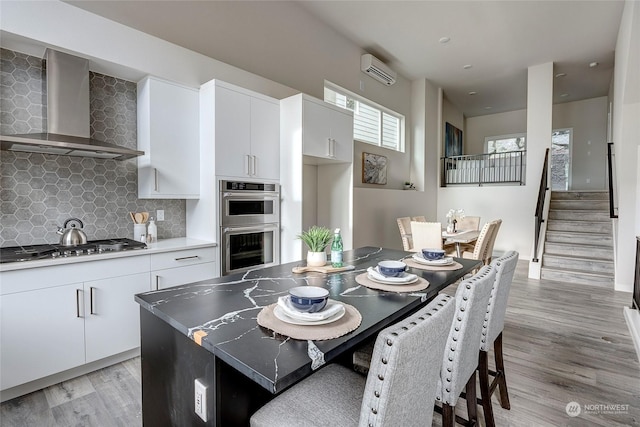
<point>67,115</point>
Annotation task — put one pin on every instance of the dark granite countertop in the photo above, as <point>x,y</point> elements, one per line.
<point>226,309</point>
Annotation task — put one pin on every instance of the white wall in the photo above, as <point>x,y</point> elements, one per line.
<point>478,128</point>
<point>626,136</point>
<point>588,119</point>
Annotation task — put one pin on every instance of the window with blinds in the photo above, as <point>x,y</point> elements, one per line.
<point>372,123</point>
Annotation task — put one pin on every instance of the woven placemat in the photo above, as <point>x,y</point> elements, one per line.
<point>349,322</point>
<point>420,285</point>
<point>415,264</point>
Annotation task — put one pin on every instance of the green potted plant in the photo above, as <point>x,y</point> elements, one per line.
<point>317,239</point>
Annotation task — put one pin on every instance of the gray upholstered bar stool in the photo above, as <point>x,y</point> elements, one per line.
<point>398,391</point>
<point>460,360</point>
<point>505,267</point>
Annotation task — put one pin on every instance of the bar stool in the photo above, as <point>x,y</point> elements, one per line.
<point>398,391</point>
<point>492,333</point>
<point>460,360</point>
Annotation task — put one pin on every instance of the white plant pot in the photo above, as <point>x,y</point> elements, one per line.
<point>316,259</point>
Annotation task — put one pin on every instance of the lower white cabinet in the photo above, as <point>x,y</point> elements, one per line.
<point>112,317</point>
<point>42,333</point>
<point>51,321</point>
<point>180,267</point>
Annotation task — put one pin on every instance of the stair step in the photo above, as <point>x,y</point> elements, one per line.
<point>585,251</point>
<point>580,195</point>
<point>577,263</point>
<point>580,226</point>
<point>577,277</point>
<point>579,215</point>
<point>595,239</point>
<point>590,205</point>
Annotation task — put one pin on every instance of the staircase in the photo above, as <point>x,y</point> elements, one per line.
<point>578,246</point>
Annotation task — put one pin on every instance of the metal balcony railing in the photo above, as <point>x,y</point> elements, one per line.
<point>481,169</point>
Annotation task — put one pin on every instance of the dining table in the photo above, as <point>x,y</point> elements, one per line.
<point>208,333</point>
<point>459,237</point>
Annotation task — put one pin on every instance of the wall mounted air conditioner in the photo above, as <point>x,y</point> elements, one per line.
<point>377,69</point>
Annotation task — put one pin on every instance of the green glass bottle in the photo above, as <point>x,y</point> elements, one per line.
<point>336,249</point>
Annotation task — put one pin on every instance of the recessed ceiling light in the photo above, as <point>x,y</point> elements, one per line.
<point>593,64</point>
<point>564,95</point>
<point>561,74</point>
<point>473,92</point>
<point>444,40</point>
<point>466,67</point>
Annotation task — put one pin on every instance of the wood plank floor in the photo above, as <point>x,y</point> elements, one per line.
<point>563,343</point>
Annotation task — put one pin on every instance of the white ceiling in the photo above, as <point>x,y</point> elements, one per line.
<point>499,39</point>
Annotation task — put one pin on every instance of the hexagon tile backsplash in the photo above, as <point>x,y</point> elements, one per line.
<point>38,192</point>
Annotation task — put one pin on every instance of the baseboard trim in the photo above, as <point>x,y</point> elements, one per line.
<point>633,322</point>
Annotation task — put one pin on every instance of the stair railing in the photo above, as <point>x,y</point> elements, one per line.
<point>612,206</point>
<point>542,193</point>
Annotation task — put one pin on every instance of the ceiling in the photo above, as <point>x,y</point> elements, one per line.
<point>499,40</point>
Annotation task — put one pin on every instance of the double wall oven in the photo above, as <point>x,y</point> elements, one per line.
<point>249,225</point>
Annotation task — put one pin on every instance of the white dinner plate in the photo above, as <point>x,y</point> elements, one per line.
<point>438,262</point>
<point>280,314</point>
<point>391,282</point>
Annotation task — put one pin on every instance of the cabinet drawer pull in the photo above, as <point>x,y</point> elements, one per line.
<point>155,178</point>
<point>157,282</point>
<point>186,257</point>
<point>91,299</point>
<point>78,291</point>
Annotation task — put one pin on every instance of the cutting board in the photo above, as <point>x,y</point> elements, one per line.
<point>324,269</point>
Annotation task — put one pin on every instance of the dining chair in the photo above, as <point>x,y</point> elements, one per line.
<point>482,243</point>
<point>492,241</point>
<point>404,224</point>
<point>398,391</point>
<point>460,359</point>
<point>468,223</point>
<point>492,327</point>
<point>426,235</point>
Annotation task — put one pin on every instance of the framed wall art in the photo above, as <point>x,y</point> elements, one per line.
<point>452,141</point>
<point>374,169</point>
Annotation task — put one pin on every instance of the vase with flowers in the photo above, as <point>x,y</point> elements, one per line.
<point>453,216</point>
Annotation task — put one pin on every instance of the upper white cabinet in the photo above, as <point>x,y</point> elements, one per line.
<point>316,171</point>
<point>168,133</point>
<point>245,128</point>
<point>327,130</point>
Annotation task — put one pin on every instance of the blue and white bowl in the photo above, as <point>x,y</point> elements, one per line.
<point>392,268</point>
<point>308,299</point>
<point>432,254</point>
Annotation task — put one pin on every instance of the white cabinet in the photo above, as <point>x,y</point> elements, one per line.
<point>52,322</point>
<point>42,333</point>
<point>168,133</point>
<point>316,171</point>
<point>244,127</point>
<point>327,130</point>
<point>112,317</point>
<point>181,267</point>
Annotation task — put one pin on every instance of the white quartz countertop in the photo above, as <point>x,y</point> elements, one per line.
<point>164,245</point>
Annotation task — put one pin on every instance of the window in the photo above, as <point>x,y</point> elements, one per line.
<point>505,143</point>
<point>372,123</point>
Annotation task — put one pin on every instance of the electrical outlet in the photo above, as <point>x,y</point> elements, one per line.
<point>160,215</point>
<point>200,406</point>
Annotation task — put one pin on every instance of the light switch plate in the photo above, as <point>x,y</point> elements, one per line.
<point>160,215</point>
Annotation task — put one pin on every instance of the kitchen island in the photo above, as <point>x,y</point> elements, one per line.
<point>207,331</point>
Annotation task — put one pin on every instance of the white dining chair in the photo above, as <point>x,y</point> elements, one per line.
<point>404,225</point>
<point>398,391</point>
<point>426,235</point>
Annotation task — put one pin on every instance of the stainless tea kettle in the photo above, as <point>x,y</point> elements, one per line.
<point>72,236</point>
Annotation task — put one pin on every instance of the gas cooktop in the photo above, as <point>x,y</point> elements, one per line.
<point>36,252</point>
